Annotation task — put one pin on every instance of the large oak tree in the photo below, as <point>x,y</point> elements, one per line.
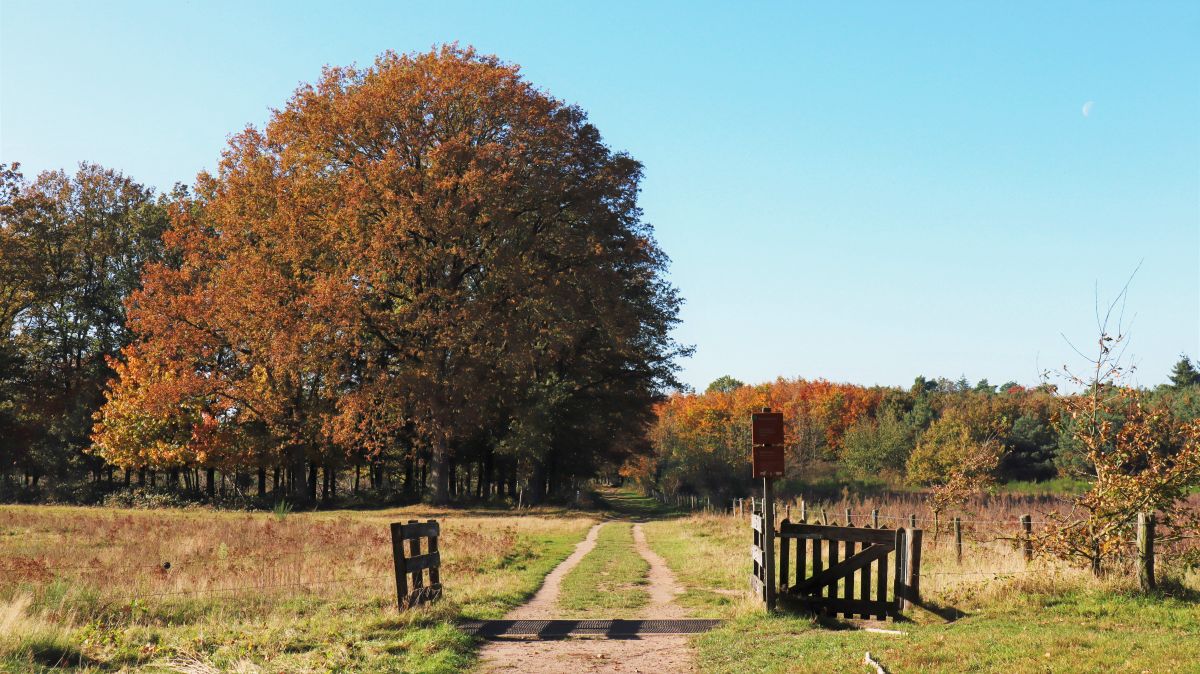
<point>429,251</point>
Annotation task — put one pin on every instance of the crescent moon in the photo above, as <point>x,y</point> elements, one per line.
<point>1087,108</point>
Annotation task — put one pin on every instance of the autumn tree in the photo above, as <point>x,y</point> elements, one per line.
<point>72,248</point>
<point>427,251</point>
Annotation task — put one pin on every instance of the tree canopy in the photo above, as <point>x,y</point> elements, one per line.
<point>428,258</point>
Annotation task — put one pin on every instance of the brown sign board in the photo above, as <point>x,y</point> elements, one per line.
<point>767,428</point>
<point>767,461</point>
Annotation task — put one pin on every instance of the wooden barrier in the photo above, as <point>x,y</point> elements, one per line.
<point>821,577</point>
<point>415,563</point>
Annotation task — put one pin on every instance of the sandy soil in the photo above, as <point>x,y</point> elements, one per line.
<point>661,654</point>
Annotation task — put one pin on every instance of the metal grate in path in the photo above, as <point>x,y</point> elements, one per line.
<point>560,629</point>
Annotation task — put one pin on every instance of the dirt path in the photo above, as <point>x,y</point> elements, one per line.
<point>661,654</point>
<point>543,604</point>
<point>662,586</point>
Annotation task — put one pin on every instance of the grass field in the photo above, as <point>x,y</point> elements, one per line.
<point>1040,618</point>
<point>87,588</point>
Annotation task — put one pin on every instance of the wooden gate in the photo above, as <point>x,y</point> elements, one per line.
<point>844,570</point>
<point>413,563</point>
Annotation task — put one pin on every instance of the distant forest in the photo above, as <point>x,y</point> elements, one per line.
<point>916,437</point>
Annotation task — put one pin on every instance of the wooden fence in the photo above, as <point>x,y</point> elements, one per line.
<point>415,563</point>
<point>1023,534</point>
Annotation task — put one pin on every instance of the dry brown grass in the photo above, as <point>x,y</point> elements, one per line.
<point>191,585</point>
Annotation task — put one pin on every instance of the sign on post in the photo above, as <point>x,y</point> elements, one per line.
<point>766,462</point>
<point>766,455</point>
<point>767,428</point>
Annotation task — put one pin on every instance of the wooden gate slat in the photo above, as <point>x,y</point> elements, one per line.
<point>834,549</point>
<point>849,587</point>
<point>840,569</point>
<point>881,598</point>
<point>784,544</point>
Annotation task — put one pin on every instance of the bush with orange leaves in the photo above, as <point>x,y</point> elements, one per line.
<point>1139,456</point>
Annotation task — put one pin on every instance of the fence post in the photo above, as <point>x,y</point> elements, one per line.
<point>874,518</point>
<point>958,540</point>
<point>824,517</point>
<point>1027,537</point>
<point>803,512</point>
<point>769,542</point>
<point>849,522</point>
<point>937,525</point>
<point>1145,545</point>
<point>914,566</point>
<point>912,521</point>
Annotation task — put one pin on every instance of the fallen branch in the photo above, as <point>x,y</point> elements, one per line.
<point>874,663</point>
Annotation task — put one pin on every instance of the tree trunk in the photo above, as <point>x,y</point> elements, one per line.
<point>512,478</point>
<point>262,481</point>
<point>312,481</point>
<point>410,484</point>
<point>439,469</point>
<point>298,486</point>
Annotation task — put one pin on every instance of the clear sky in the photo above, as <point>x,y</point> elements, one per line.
<point>858,191</point>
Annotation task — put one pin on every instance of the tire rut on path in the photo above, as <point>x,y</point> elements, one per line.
<point>661,654</point>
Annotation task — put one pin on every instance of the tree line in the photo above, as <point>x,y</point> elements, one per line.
<point>427,272</point>
<point>936,432</point>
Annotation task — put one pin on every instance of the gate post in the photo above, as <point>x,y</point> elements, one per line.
<point>769,543</point>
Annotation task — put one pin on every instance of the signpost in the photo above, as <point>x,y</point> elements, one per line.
<point>767,462</point>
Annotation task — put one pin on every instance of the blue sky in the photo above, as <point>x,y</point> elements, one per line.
<point>858,191</point>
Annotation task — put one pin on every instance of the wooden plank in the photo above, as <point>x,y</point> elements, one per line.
<point>398,562</point>
<point>414,550</point>
<point>817,531</point>
<point>756,586</point>
<point>881,584</point>
<point>864,586</point>
<point>756,554</point>
<point>838,570</point>
<point>430,560</point>
<point>801,560</point>
<point>849,586</point>
<point>414,529</point>
<point>834,556</point>
<point>435,573</point>
<point>756,523</point>
<point>818,563</point>
<point>784,554</point>
<point>901,566</point>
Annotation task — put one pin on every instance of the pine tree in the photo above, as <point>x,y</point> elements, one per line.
<point>1184,374</point>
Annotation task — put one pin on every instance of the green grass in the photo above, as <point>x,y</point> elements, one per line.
<point>1077,631</point>
<point>1029,623</point>
<point>709,556</point>
<point>610,581</point>
<point>630,504</point>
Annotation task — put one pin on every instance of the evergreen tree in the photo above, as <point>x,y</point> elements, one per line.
<point>1184,373</point>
